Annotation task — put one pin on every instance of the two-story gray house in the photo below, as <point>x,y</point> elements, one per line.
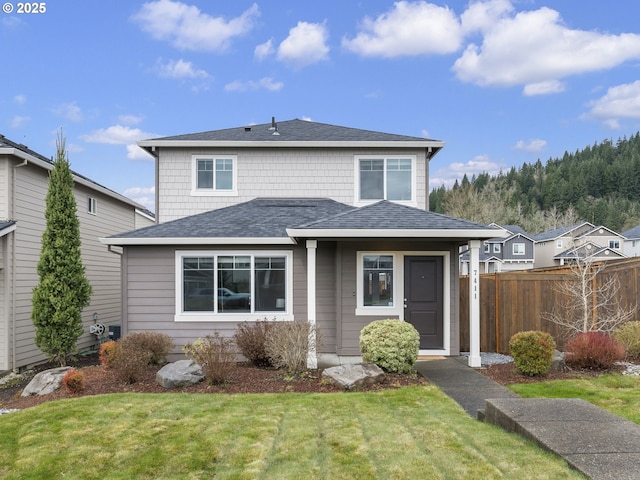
<point>297,220</point>
<point>24,177</point>
<point>513,251</point>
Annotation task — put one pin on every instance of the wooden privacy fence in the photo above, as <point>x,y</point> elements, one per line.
<point>512,302</point>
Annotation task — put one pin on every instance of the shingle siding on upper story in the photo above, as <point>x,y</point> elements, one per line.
<point>273,172</point>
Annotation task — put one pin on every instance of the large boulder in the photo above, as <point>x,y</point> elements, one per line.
<point>354,376</point>
<point>45,382</point>
<point>179,374</point>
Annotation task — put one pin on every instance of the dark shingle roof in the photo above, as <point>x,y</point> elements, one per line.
<point>259,218</point>
<point>293,130</point>
<point>632,233</point>
<point>6,223</point>
<point>555,233</point>
<point>386,215</point>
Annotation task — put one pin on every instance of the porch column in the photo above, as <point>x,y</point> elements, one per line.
<point>474,304</point>
<point>312,245</point>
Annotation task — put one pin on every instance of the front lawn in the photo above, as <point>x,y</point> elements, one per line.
<point>619,394</point>
<point>407,433</point>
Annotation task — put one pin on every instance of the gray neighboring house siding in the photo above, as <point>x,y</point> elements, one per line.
<point>24,183</point>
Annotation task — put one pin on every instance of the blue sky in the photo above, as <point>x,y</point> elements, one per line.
<point>501,82</point>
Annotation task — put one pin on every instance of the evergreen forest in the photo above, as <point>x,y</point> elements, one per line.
<point>599,184</point>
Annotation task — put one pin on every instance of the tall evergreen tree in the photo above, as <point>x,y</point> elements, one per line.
<point>63,290</point>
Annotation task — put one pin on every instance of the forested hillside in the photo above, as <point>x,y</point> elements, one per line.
<point>599,184</point>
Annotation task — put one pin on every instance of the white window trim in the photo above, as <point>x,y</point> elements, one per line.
<point>496,248</point>
<point>361,309</point>
<point>212,192</point>
<point>182,316</point>
<point>558,243</point>
<point>92,206</point>
<point>524,249</point>
<point>613,243</point>
<point>356,196</point>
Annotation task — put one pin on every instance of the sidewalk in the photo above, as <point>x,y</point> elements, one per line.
<point>597,443</point>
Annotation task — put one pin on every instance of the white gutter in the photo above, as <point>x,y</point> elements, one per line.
<point>123,241</point>
<point>152,144</point>
<point>462,234</point>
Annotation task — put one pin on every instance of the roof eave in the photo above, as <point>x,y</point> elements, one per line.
<point>457,234</point>
<point>151,145</point>
<point>132,241</point>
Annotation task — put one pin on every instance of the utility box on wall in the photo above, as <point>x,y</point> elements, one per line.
<point>115,332</point>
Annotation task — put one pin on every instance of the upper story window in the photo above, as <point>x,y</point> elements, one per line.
<point>614,243</point>
<point>386,178</point>
<point>518,249</point>
<point>496,248</point>
<point>559,243</point>
<point>487,248</point>
<point>91,205</point>
<point>214,175</point>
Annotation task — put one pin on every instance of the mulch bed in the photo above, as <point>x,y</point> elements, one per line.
<point>245,379</point>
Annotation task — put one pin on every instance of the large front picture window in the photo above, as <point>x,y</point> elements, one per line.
<point>224,283</point>
<point>386,179</point>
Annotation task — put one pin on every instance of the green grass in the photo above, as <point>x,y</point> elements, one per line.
<point>407,433</point>
<point>616,393</point>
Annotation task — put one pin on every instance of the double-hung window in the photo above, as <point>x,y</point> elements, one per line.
<point>225,285</point>
<point>386,178</point>
<point>214,175</point>
<point>518,249</point>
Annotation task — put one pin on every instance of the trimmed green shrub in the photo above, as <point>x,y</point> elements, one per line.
<point>629,336</point>
<point>251,338</point>
<point>215,354</point>
<point>593,350</point>
<point>73,381</point>
<point>288,343</point>
<point>532,352</point>
<point>391,344</point>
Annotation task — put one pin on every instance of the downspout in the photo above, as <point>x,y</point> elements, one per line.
<point>24,163</point>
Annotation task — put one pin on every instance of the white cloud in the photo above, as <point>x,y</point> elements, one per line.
<point>179,69</point>
<point>20,99</point>
<point>535,49</point>
<point>186,27</point>
<point>621,101</point>
<point>264,50</point>
<point>266,83</point>
<point>409,28</point>
<point>19,121</point>
<point>305,45</point>
<point>130,119</point>
<point>455,171</point>
<point>143,195</point>
<point>482,16</point>
<point>70,111</point>
<point>533,146</point>
<point>117,135</point>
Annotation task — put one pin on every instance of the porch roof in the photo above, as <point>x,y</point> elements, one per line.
<point>283,220</point>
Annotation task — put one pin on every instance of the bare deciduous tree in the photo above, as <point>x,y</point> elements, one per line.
<point>588,303</point>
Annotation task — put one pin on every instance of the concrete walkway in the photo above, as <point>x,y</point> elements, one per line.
<point>597,443</point>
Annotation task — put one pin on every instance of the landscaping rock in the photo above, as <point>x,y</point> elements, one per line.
<point>179,374</point>
<point>557,361</point>
<point>45,382</point>
<point>353,376</point>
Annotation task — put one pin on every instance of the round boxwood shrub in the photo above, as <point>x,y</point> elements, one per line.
<point>390,344</point>
<point>532,352</point>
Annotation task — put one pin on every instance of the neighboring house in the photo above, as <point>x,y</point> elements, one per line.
<point>297,220</point>
<point>515,251</point>
<point>24,176</point>
<point>555,247</point>
<point>631,246</point>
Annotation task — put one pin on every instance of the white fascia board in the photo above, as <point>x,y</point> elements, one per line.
<point>7,230</point>
<point>151,144</point>
<point>122,241</point>
<point>461,234</point>
<point>77,179</point>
